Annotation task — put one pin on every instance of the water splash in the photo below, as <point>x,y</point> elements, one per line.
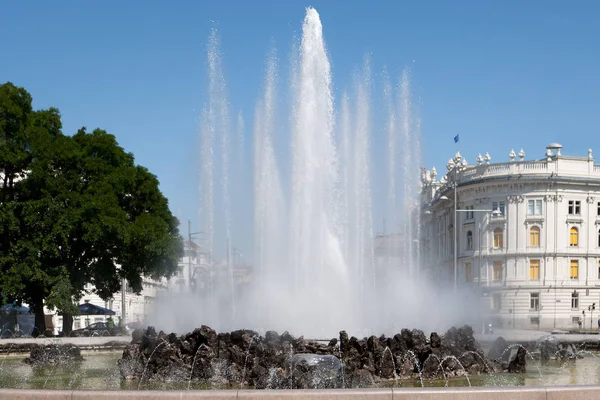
<point>148,362</point>
<point>413,358</point>
<point>471,352</point>
<point>388,350</point>
<point>515,345</point>
<point>439,361</point>
<point>441,366</point>
<point>314,240</point>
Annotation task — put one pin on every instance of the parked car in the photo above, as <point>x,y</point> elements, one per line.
<point>97,329</point>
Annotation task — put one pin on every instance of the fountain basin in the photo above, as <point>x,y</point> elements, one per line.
<point>499,393</point>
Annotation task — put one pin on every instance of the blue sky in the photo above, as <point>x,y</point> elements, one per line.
<point>503,74</point>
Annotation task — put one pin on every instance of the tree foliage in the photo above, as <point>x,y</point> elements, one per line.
<point>75,211</point>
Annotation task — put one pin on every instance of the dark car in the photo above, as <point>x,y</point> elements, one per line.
<point>96,329</point>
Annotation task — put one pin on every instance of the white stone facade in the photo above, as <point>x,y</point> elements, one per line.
<point>137,307</point>
<point>536,260</point>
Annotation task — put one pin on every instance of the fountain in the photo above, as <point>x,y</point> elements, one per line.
<point>274,361</point>
<point>316,268</point>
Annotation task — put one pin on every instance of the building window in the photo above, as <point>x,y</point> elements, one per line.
<point>534,301</point>
<point>470,213</point>
<point>574,207</point>
<point>574,237</point>
<point>497,270</point>
<point>574,300</point>
<point>469,240</point>
<point>496,301</point>
<point>599,238</point>
<point>498,206</point>
<point>574,270</point>
<point>534,236</point>
<point>468,272</point>
<point>534,270</point>
<point>498,238</point>
<point>599,269</point>
<point>598,209</point>
<point>534,207</point>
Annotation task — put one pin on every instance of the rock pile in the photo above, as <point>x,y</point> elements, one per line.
<point>53,354</point>
<point>244,358</point>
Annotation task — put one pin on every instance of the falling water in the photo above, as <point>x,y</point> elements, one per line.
<point>405,113</point>
<point>268,206</point>
<point>417,215</point>
<point>345,176</point>
<point>392,156</point>
<point>314,269</point>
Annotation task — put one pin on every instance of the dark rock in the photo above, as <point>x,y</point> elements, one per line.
<point>435,341</point>
<point>499,349</point>
<point>53,354</point>
<point>343,341</point>
<point>517,364</point>
<point>136,336</point>
<point>360,378</point>
<point>275,361</point>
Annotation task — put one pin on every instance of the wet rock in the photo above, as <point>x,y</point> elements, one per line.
<point>245,358</point>
<point>136,336</point>
<point>517,364</point>
<point>435,341</point>
<point>53,354</point>
<point>361,378</point>
<point>499,350</point>
<point>343,341</point>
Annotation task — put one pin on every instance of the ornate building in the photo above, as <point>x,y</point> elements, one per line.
<point>528,236</point>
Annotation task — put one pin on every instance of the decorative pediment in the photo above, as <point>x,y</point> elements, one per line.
<point>534,220</point>
<point>572,219</point>
<point>517,199</point>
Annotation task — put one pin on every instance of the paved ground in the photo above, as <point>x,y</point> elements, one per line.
<point>510,335</point>
<point>521,335</point>
<point>79,341</point>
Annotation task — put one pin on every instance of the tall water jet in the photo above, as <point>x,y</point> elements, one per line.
<point>269,215</point>
<point>315,251</point>
<point>345,145</point>
<point>363,257</point>
<point>216,135</point>
<point>416,187</point>
<point>314,266</point>
<point>407,168</point>
<point>392,160</point>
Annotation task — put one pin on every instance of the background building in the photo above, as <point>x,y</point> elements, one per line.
<point>528,236</point>
<point>136,308</point>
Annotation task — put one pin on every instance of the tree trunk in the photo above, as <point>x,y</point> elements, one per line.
<point>67,327</point>
<point>40,321</point>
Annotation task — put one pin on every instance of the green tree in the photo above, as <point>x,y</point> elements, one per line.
<point>85,214</point>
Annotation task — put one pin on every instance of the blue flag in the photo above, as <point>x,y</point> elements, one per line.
<point>456,139</point>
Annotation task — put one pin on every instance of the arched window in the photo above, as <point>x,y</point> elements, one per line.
<point>598,238</point>
<point>574,237</point>
<point>469,240</point>
<point>498,238</point>
<point>534,236</point>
